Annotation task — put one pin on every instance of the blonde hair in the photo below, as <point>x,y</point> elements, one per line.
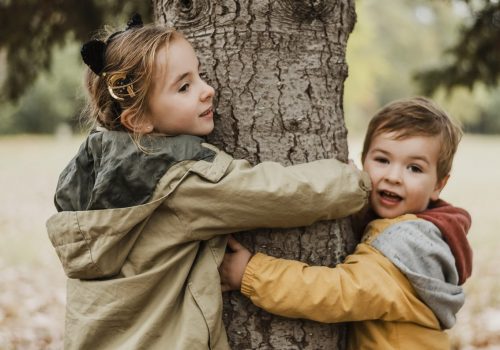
<point>417,116</point>
<point>129,56</point>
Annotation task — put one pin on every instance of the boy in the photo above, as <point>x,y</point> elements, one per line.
<point>401,286</point>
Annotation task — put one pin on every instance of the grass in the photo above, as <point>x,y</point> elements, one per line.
<point>32,282</point>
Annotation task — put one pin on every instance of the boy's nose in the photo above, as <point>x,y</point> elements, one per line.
<point>393,175</point>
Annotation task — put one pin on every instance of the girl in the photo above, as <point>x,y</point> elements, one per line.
<point>144,206</point>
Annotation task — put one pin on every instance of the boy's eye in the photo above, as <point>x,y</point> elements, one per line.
<point>415,169</point>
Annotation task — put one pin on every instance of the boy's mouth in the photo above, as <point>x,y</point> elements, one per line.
<point>390,196</point>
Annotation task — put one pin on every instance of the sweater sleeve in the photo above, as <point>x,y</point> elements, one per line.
<point>365,287</point>
<point>239,196</point>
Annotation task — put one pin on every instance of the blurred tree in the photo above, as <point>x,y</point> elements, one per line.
<point>54,99</point>
<point>31,29</point>
<point>388,44</point>
<point>476,55</point>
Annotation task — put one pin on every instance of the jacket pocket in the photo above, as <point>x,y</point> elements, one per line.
<point>198,300</point>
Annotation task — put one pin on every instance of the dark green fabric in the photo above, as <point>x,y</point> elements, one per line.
<point>110,171</point>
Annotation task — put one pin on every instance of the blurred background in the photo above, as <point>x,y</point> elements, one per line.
<point>448,50</point>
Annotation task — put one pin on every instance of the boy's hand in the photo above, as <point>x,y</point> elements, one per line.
<point>233,266</point>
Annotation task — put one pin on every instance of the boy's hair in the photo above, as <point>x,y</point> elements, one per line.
<point>417,116</point>
<point>129,61</point>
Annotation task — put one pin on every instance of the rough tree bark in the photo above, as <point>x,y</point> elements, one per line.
<point>278,67</point>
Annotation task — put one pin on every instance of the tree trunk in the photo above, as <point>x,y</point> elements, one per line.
<point>278,67</point>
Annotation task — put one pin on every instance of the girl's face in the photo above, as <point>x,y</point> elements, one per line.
<point>403,173</point>
<point>180,101</point>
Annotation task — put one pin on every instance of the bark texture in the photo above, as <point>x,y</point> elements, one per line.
<point>278,67</point>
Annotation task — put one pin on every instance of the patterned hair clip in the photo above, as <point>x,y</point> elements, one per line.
<point>120,86</point>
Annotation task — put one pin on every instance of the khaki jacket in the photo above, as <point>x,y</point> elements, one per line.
<point>398,289</point>
<point>145,276</point>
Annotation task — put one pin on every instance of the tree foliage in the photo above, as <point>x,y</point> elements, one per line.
<point>387,46</point>
<point>54,99</point>
<point>474,57</point>
<point>390,44</point>
<point>31,29</point>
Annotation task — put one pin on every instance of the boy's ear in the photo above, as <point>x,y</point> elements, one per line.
<point>439,187</point>
<point>129,119</point>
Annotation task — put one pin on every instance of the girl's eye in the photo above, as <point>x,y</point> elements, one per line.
<point>184,88</point>
<point>381,160</point>
<point>203,76</point>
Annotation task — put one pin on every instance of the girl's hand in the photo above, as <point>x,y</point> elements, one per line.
<point>352,164</point>
<point>233,266</point>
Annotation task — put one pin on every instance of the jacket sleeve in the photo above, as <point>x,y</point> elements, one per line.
<point>231,195</point>
<point>365,287</point>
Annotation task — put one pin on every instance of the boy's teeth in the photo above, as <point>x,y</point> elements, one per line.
<point>390,194</point>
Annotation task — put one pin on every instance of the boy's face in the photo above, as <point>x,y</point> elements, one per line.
<point>180,101</point>
<point>403,173</point>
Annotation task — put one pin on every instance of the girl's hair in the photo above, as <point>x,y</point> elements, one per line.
<point>417,116</point>
<point>126,78</point>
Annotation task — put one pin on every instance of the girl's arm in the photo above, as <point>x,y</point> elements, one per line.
<point>231,195</point>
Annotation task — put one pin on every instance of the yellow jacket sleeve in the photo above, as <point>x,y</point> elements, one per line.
<point>366,286</point>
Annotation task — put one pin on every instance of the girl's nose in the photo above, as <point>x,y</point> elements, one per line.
<point>208,92</point>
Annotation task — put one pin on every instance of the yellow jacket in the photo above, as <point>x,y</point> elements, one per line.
<point>141,235</point>
<point>380,288</point>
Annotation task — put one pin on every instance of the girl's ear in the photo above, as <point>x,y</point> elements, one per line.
<point>439,187</point>
<point>129,119</point>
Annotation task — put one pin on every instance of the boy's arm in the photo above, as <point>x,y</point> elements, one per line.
<point>365,287</point>
<point>242,197</point>
<point>233,265</point>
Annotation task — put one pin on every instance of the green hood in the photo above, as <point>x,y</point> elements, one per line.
<point>110,171</point>
<point>102,197</point>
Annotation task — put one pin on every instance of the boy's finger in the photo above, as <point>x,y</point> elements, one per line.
<point>234,244</point>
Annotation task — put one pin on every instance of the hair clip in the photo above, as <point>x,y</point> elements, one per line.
<point>93,51</point>
<point>134,22</point>
<point>119,86</point>
<point>93,55</point>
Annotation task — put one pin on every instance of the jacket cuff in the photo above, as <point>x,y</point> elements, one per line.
<point>365,182</point>
<point>249,276</point>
